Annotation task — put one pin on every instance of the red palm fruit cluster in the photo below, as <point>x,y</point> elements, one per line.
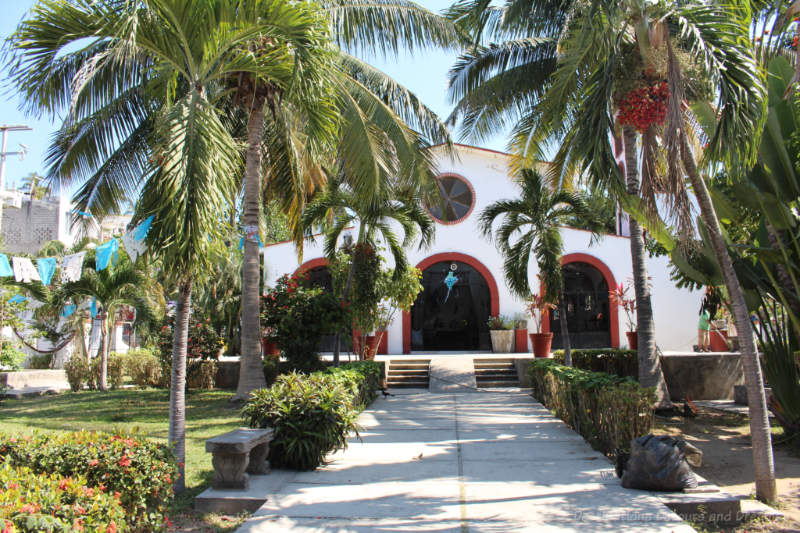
<point>644,106</point>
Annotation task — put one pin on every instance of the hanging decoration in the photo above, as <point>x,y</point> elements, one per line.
<point>72,267</point>
<point>46,267</point>
<point>105,253</point>
<point>5,266</point>
<point>450,281</point>
<point>24,271</point>
<point>241,243</point>
<point>17,299</point>
<point>68,310</point>
<point>93,308</point>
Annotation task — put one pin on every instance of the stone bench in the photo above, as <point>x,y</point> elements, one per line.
<point>237,453</point>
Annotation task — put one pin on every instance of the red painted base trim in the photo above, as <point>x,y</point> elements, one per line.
<point>462,258</point>
<point>613,310</point>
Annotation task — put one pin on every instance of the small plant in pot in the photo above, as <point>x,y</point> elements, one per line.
<point>619,296</point>
<point>538,307</point>
<point>502,333</point>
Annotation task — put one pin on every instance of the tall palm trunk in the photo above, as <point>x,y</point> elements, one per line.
<point>251,372</point>
<point>650,374</point>
<point>177,391</point>
<point>347,287</point>
<point>763,465</point>
<point>562,310</point>
<point>104,352</point>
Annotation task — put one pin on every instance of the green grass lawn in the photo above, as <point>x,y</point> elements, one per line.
<point>208,413</point>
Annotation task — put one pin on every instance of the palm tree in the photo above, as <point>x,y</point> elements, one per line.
<point>368,135</point>
<point>377,220</point>
<point>115,286</point>
<point>157,135</point>
<point>534,220</point>
<point>32,183</point>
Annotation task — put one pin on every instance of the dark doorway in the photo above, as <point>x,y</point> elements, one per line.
<point>586,297</point>
<point>321,277</point>
<point>451,312</point>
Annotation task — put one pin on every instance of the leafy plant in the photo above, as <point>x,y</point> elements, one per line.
<point>40,501</point>
<point>201,374</point>
<point>312,414</point>
<point>297,315</point>
<point>537,306</point>
<point>10,357</point>
<point>607,410</point>
<point>619,296</point>
<point>144,368</point>
<point>500,322</point>
<point>78,373</point>
<point>136,471</point>
<point>623,363</point>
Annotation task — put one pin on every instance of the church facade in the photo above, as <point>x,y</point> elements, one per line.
<point>451,316</point>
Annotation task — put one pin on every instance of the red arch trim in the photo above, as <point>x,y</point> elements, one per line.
<point>311,264</point>
<point>462,258</point>
<point>613,310</point>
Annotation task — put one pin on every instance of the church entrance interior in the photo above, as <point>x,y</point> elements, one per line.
<point>451,312</point>
<point>587,303</point>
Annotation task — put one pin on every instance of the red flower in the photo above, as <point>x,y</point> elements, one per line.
<point>124,461</point>
<point>112,527</point>
<point>94,462</point>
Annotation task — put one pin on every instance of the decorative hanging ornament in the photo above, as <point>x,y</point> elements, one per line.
<point>450,281</point>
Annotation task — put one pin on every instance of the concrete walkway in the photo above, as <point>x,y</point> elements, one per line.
<point>470,462</point>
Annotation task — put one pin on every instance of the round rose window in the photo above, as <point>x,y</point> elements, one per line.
<point>456,203</point>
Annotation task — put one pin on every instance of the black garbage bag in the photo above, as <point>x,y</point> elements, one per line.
<point>660,463</point>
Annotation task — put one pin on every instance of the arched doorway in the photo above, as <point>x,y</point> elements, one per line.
<point>591,319</point>
<point>459,294</point>
<point>320,276</point>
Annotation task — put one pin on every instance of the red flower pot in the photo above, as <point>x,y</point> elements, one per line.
<point>269,348</point>
<point>371,347</point>
<point>719,340</point>
<point>633,339</point>
<point>541,344</point>
<point>521,340</point>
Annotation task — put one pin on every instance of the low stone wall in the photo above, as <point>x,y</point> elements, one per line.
<point>702,376</point>
<point>56,379</point>
<point>227,374</point>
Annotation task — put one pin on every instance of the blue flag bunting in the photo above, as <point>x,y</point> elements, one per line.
<point>68,310</point>
<point>241,243</point>
<point>93,308</point>
<point>46,267</point>
<point>17,299</point>
<point>141,231</point>
<point>5,266</point>
<point>104,253</point>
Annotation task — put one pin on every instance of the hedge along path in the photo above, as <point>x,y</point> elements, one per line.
<point>487,461</point>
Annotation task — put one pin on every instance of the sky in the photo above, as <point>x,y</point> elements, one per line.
<point>425,74</point>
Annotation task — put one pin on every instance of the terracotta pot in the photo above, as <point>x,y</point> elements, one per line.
<point>541,344</point>
<point>521,340</point>
<point>269,347</point>
<point>719,340</point>
<point>371,347</point>
<point>633,339</point>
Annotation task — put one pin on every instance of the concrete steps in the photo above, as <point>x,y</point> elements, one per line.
<point>408,373</point>
<point>496,373</point>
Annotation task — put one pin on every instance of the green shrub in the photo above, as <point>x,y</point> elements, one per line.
<point>139,471</point>
<point>11,358</point>
<point>272,369</point>
<point>33,502</point>
<point>78,373</point>
<point>40,361</point>
<point>201,374</point>
<point>620,362</point>
<point>607,410</point>
<point>312,414</point>
<point>143,368</point>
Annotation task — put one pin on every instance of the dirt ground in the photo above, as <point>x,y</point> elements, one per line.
<point>724,439</point>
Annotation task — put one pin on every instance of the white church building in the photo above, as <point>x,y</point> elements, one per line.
<point>439,321</point>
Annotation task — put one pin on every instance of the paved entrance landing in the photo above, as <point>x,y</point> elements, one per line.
<point>481,462</point>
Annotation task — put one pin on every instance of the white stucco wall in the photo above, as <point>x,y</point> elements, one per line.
<point>487,171</point>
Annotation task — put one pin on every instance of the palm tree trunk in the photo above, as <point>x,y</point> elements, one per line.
<point>177,391</point>
<point>562,311</point>
<point>251,372</point>
<point>347,287</point>
<point>763,464</point>
<point>650,374</point>
<point>104,354</point>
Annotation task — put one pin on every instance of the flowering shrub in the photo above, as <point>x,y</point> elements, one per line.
<point>78,372</point>
<point>31,502</point>
<point>312,414</point>
<point>644,106</point>
<point>203,342</point>
<point>297,315</point>
<point>137,471</point>
<point>619,296</point>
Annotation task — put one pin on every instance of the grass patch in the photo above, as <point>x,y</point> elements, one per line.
<point>208,413</point>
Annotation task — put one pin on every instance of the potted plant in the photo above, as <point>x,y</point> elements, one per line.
<point>500,329</point>
<point>520,333</point>
<point>619,296</point>
<point>538,306</point>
